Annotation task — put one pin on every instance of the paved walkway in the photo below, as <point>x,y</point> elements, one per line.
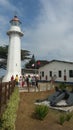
<point>25,89</point>
<point>34,89</point>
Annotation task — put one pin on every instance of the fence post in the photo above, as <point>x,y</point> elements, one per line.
<point>0,96</point>
<point>5,93</point>
<point>39,87</point>
<point>13,85</point>
<point>9,90</point>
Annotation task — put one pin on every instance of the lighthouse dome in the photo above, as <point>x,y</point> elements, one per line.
<point>15,26</point>
<point>15,21</point>
<point>15,18</point>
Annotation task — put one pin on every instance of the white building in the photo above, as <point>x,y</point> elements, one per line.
<point>14,50</point>
<point>60,71</point>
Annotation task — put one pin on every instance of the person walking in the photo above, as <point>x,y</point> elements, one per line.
<point>12,78</point>
<point>27,82</point>
<point>16,80</point>
<point>20,81</point>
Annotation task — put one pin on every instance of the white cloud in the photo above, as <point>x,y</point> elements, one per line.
<point>4,2</point>
<point>53,35</point>
<point>10,7</point>
<point>7,9</point>
<point>7,4</point>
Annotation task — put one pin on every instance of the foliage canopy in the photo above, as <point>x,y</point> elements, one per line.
<point>25,54</point>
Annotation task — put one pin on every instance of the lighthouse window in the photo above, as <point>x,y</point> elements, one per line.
<point>15,23</point>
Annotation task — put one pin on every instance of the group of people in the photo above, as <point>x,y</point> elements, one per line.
<point>32,81</point>
<point>25,81</point>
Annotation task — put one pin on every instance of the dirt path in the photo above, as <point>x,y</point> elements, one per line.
<point>25,120</point>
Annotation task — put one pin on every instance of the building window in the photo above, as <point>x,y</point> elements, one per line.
<point>60,73</point>
<point>50,73</point>
<point>42,73</point>
<point>71,73</point>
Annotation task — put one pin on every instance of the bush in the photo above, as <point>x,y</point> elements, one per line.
<point>9,116</point>
<point>68,116</point>
<point>41,111</point>
<point>62,86</point>
<point>62,119</point>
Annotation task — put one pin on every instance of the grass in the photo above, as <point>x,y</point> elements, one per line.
<point>26,108</point>
<point>41,111</point>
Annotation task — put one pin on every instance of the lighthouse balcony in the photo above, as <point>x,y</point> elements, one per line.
<point>15,29</point>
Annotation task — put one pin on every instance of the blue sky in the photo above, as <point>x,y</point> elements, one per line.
<point>47,26</point>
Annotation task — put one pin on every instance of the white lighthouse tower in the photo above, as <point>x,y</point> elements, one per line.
<point>14,51</point>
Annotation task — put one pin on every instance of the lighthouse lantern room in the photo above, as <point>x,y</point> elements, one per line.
<point>14,50</point>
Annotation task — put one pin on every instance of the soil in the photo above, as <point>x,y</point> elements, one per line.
<point>26,121</point>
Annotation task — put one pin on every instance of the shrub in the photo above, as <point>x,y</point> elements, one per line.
<point>41,111</point>
<point>62,86</point>
<point>9,116</point>
<point>68,116</point>
<point>62,119</point>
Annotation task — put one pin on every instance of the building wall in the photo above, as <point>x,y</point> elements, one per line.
<point>55,67</point>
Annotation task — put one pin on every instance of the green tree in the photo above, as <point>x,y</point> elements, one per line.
<point>4,51</point>
<point>31,63</point>
<point>25,54</point>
